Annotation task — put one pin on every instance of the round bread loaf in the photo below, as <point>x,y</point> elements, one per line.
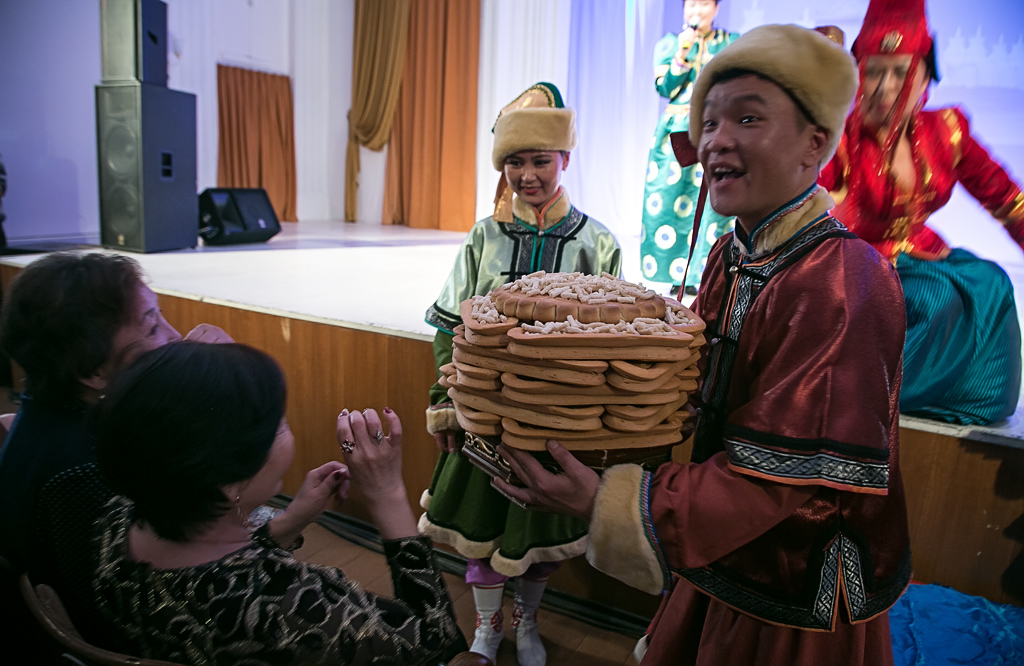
<point>587,298</point>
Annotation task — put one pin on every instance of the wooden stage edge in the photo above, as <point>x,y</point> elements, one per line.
<point>965,498</point>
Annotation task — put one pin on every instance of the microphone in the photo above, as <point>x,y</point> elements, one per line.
<point>694,22</point>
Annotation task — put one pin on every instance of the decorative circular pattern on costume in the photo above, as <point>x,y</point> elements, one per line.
<point>654,204</point>
<point>698,174</point>
<point>652,171</point>
<point>675,172</point>
<point>676,269</point>
<point>665,237</point>
<point>683,206</point>
<point>650,266</point>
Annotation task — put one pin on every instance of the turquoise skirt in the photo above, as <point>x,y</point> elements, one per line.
<point>962,360</point>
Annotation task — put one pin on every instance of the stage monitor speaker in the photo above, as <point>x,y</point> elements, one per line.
<point>133,34</point>
<point>146,140</point>
<point>232,215</point>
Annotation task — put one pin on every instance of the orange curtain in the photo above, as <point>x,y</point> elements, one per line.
<point>381,31</point>
<point>256,143</point>
<point>431,170</point>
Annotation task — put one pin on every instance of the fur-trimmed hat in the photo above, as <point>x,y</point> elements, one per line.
<point>536,120</point>
<point>816,72</point>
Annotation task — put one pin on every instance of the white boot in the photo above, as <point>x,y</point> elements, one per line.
<point>529,648</point>
<point>490,620</point>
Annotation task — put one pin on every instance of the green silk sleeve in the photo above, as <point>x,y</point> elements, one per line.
<point>442,356</point>
<point>669,78</point>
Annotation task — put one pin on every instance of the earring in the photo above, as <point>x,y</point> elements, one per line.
<point>241,516</point>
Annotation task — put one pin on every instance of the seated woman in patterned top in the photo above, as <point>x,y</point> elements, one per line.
<point>195,436</point>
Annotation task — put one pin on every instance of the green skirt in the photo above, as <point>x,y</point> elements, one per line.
<point>465,512</point>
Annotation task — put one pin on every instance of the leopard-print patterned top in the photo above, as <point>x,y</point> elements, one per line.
<point>259,606</point>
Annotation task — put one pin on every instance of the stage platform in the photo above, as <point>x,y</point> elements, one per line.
<point>341,307</point>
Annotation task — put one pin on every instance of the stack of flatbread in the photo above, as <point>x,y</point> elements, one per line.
<point>595,362</point>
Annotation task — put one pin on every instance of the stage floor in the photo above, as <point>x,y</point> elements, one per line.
<point>382,279</point>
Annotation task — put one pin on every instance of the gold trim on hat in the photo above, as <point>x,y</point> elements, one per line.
<point>892,41</point>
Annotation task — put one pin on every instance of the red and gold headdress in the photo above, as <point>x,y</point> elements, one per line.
<point>894,27</point>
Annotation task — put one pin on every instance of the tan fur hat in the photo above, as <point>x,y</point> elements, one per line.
<point>818,73</point>
<point>536,120</point>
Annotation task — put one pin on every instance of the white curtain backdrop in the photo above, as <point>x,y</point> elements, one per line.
<point>521,42</point>
<point>192,67</point>
<point>310,67</point>
<point>611,85</point>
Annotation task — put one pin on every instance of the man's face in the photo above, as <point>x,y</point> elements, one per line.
<point>534,175</point>
<point>757,150</point>
<point>145,329</point>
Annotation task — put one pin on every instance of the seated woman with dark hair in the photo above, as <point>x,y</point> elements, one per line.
<point>195,436</point>
<point>71,321</point>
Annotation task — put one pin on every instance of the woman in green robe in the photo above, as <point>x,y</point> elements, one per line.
<point>670,195</point>
<point>534,228</point>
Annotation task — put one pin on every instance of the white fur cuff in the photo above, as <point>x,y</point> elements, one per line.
<point>618,541</point>
<point>441,417</point>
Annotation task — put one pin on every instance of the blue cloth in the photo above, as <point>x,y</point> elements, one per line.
<point>936,626</point>
<point>962,360</point>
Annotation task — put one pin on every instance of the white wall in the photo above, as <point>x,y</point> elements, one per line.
<point>510,62</point>
<point>322,40</point>
<point>49,63</point>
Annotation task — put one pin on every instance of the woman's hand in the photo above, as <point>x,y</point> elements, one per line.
<point>447,441</point>
<point>687,38</point>
<point>313,498</point>
<point>208,333</point>
<point>375,462</point>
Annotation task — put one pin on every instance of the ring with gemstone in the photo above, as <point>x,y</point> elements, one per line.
<point>379,436</point>
<point>348,446</point>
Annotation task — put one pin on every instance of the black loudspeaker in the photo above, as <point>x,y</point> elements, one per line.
<point>133,34</point>
<point>232,215</point>
<point>146,140</point>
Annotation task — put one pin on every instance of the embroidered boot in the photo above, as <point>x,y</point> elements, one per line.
<point>530,650</point>
<point>490,620</point>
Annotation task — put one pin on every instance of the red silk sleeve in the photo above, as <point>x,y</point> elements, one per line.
<point>700,513</point>
<point>983,177</point>
<point>813,395</point>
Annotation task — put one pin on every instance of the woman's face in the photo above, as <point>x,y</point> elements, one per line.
<point>268,480</point>
<point>535,175</point>
<point>883,80</point>
<point>701,12</point>
<point>145,330</point>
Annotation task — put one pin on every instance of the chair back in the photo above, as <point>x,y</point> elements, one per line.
<point>46,607</point>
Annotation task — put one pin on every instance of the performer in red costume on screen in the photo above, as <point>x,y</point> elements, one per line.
<point>896,165</point>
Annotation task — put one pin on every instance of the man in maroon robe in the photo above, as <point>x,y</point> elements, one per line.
<point>784,541</point>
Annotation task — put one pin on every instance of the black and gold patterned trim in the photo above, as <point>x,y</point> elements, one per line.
<point>842,559</point>
<point>440,318</point>
<point>535,250</point>
<point>745,278</point>
<point>790,459</point>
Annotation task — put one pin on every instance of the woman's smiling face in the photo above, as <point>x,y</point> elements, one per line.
<point>535,175</point>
